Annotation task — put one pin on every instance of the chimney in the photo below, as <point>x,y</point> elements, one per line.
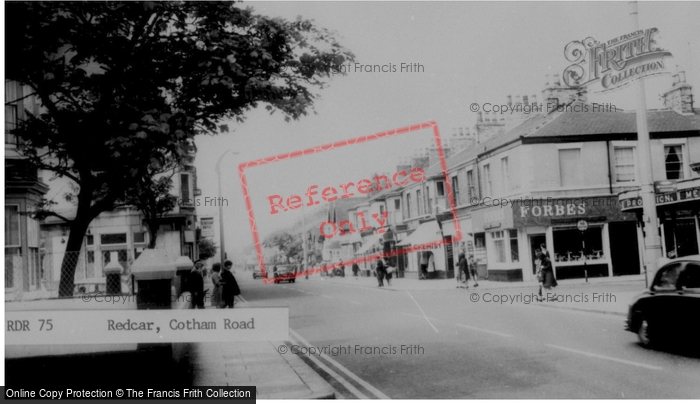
<point>556,80</point>
<point>510,100</point>
<point>517,100</point>
<point>680,96</point>
<point>681,76</point>
<point>533,100</point>
<point>675,79</point>
<point>546,80</point>
<point>525,100</point>
<point>480,117</point>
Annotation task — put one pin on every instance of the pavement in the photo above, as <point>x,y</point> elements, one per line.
<point>255,363</point>
<point>609,295</point>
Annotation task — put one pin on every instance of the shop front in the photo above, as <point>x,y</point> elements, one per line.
<point>497,244</point>
<point>458,245</point>
<point>585,236</point>
<point>678,209</point>
<point>429,236</point>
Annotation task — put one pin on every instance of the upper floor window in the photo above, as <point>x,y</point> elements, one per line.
<point>570,167</point>
<point>419,202</point>
<point>408,205</point>
<point>13,92</point>
<point>12,224</point>
<point>471,190</point>
<point>185,194</point>
<point>624,164</point>
<point>440,186</point>
<point>487,180</point>
<point>397,204</point>
<point>505,175</point>
<point>381,209</point>
<point>673,157</point>
<point>115,238</point>
<point>428,200</point>
<point>455,191</point>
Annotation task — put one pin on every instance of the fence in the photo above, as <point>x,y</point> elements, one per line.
<point>37,275</point>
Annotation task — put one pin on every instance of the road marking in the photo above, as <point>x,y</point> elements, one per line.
<point>421,310</point>
<point>343,369</point>
<point>483,330</point>
<point>592,355</point>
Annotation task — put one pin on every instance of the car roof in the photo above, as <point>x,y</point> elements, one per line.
<point>695,258</point>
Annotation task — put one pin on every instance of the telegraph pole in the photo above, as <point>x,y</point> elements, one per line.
<point>652,240</point>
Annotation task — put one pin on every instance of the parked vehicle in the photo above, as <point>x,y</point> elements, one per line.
<point>670,310</point>
<point>257,274</point>
<point>286,274</point>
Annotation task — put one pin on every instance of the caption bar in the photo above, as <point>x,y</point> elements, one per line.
<point>147,326</point>
<point>244,393</point>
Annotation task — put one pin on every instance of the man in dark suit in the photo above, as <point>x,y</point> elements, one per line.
<point>195,282</point>
<point>230,286</point>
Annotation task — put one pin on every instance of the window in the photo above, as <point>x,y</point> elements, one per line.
<point>470,185</point>
<point>140,237</point>
<point>499,246</point>
<point>514,253</point>
<point>13,92</point>
<point>570,167</point>
<point>381,210</point>
<point>487,180</point>
<point>505,175</point>
<point>674,162</point>
<point>90,240</point>
<point>624,164</point>
<point>185,189</point>
<point>12,229</point>
<point>455,191</point>
<point>116,238</point>
<point>690,278</point>
<point>408,205</point>
<point>428,201</point>
<point>419,202</point>
<point>397,204</point>
<point>440,188</point>
<point>568,244</point>
<point>667,277</point>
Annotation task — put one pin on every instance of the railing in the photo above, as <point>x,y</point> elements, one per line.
<point>37,275</point>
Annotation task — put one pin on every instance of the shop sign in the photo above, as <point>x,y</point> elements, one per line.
<point>492,218</point>
<point>207,226</point>
<point>582,225</point>
<point>689,194</point>
<point>613,64</point>
<point>665,187</point>
<point>553,210</point>
<point>631,203</point>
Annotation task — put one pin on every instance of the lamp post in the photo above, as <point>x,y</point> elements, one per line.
<point>221,209</point>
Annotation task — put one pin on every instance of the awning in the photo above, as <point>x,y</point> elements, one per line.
<point>350,238</point>
<point>370,242</point>
<point>428,232</point>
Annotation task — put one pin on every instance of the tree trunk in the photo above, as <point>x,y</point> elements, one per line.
<point>153,227</point>
<point>72,254</point>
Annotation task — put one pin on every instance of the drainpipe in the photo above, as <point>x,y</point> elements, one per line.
<point>607,148</point>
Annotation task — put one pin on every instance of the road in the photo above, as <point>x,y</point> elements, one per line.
<point>455,348</point>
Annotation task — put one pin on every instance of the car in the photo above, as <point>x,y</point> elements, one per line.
<point>257,274</point>
<point>286,274</point>
<point>669,312</point>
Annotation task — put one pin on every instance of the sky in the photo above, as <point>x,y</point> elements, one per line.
<point>469,52</point>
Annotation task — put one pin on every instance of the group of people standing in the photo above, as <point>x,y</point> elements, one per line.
<point>469,270</point>
<point>545,272</point>
<point>225,285</point>
<point>384,270</point>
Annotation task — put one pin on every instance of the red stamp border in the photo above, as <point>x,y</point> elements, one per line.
<point>407,129</point>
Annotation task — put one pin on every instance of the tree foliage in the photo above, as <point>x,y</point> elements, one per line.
<point>207,248</point>
<point>288,244</point>
<point>126,85</point>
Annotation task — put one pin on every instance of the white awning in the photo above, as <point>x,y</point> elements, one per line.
<point>428,232</point>
<point>369,242</point>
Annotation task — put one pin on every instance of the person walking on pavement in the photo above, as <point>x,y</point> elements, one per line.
<point>424,266</point>
<point>355,269</point>
<point>548,279</point>
<point>472,270</point>
<point>463,267</point>
<point>231,289</point>
<point>216,300</point>
<point>380,272</point>
<point>388,271</point>
<point>195,283</point>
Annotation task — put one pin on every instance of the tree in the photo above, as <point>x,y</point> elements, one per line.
<point>207,248</point>
<point>289,245</point>
<point>124,84</point>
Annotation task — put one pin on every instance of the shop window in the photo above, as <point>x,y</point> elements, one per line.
<point>480,247</point>
<point>499,246</point>
<point>624,164</point>
<point>514,252</point>
<point>568,244</point>
<point>681,237</point>
<point>673,156</point>
<point>570,167</point>
<point>667,278</point>
<point>440,188</point>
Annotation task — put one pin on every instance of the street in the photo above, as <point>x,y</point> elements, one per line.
<point>427,344</point>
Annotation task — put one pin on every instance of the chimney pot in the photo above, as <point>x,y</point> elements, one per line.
<point>517,100</point>
<point>510,100</point>
<point>556,80</point>
<point>525,100</point>
<point>546,80</point>
<point>681,76</point>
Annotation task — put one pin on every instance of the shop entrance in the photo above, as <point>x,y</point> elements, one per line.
<point>624,248</point>
<point>535,241</point>
<point>681,237</point>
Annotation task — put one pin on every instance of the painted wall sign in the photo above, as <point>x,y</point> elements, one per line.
<point>611,65</point>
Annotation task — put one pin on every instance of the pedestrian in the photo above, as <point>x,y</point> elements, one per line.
<point>355,269</point>
<point>463,268</point>
<point>544,251</point>
<point>216,300</point>
<point>472,270</point>
<point>389,271</point>
<point>380,271</point>
<point>424,266</point>
<point>548,279</point>
<point>230,286</point>
<point>195,286</point>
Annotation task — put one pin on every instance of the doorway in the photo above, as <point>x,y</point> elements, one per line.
<point>624,251</point>
<point>535,241</point>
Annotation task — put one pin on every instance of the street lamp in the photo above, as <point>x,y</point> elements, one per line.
<point>221,209</point>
